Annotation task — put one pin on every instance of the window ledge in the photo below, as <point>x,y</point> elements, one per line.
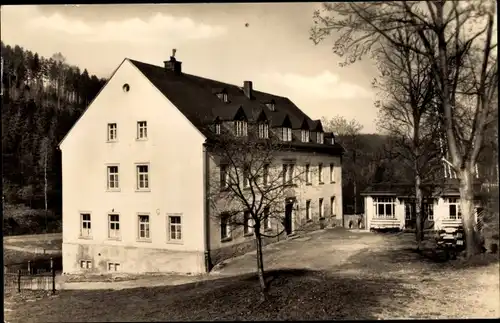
<point>144,240</point>
<point>332,182</point>
<point>226,239</point>
<point>114,239</point>
<point>113,190</point>
<point>175,242</point>
<point>143,190</point>
<point>85,237</point>
<point>309,221</point>
<point>309,184</point>
<point>321,218</point>
<point>111,141</point>
<point>321,183</point>
<point>141,139</point>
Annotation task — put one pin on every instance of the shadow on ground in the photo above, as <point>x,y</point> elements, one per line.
<point>295,294</point>
<point>401,253</point>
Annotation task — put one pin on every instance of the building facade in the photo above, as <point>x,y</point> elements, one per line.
<point>137,165</point>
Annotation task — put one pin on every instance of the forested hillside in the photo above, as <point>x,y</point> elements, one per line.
<point>41,99</point>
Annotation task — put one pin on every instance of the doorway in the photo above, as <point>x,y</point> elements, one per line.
<point>288,217</point>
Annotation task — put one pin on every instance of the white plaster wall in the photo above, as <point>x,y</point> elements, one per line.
<point>173,150</point>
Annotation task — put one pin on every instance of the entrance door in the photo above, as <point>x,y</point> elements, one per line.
<point>288,218</point>
<point>410,222</point>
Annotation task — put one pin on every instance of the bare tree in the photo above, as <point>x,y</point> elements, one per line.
<point>407,114</point>
<point>347,133</point>
<point>250,185</point>
<point>456,37</point>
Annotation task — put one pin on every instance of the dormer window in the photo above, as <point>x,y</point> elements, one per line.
<point>241,128</point>
<point>222,96</point>
<point>332,141</point>
<point>217,128</point>
<point>263,130</point>
<point>270,106</point>
<point>305,135</point>
<point>319,138</point>
<point>286,134</point>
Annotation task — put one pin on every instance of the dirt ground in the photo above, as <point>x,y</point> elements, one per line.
<point>329,274</point>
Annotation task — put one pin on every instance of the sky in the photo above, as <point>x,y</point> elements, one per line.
<point>212,40</point>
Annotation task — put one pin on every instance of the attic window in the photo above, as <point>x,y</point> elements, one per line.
<point>270,106</point>
<point>126,87</point>
<point>332,140</point>
<point>217,128</point>
<point>320,138</point>
<point>222,96</point>
<point>305,135</point>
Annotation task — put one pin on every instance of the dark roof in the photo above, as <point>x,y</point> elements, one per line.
<point>447,187</point>
<point>195,97</point>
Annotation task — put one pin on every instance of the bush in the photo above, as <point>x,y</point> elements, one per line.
<point>19,219</point>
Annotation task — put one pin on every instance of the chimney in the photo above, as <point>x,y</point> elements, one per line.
<point>247,89</point>
<point>173,65</point>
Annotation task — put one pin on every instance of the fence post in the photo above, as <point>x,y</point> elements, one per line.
<point>53,270</point>
<point>19,280</point>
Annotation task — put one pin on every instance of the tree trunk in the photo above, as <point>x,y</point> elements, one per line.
<point>45,191</point>
<point>354,182</point>
<point>418,212</point>
<point>467,210</point>
<point>260,264</point>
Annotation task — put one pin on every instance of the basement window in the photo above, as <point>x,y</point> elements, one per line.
<point>85,264</point>
<point>113,266</point>
<point>126,87</point>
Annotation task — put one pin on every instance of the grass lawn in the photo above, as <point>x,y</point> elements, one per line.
<point>380,282</point>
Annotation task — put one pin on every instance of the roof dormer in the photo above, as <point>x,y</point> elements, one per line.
<point>222,95</point>
<point>271,105</point>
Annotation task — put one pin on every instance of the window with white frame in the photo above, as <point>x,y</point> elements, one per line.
<point>288,170</point>
<point>265,175</point>
<point>308,174</point>
<point>320,205</point>
<point>113,266</point>
<point>217,128</point>
<point>319,137</point>
<point>224,176</point>
<point>286,134</point>
<point>320,173</point>
<point>142,177</point>
<point>332,174</point>
<point>454,208</point>
<point>247,223</point>
<point>264,130</point>
<point>144,233</point>
<point>429,210</point>
<point>241,128</point>
<point>142,130</point>
<point>112,132</point>
<point>308,210</point>
<point>267,219</point>
<point>85,225</point>
<point>225,226</point>
<point>175,227</point>
<point>114,226</point>
<point>304,135</point>
<point>384,207</point>
<point>113,182</point>
<point>332,206</point>
<point>85,264</point>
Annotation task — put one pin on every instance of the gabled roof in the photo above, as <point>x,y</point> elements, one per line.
<point>196,98</point>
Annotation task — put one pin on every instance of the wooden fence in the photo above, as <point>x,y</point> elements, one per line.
<point>35,277</point>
